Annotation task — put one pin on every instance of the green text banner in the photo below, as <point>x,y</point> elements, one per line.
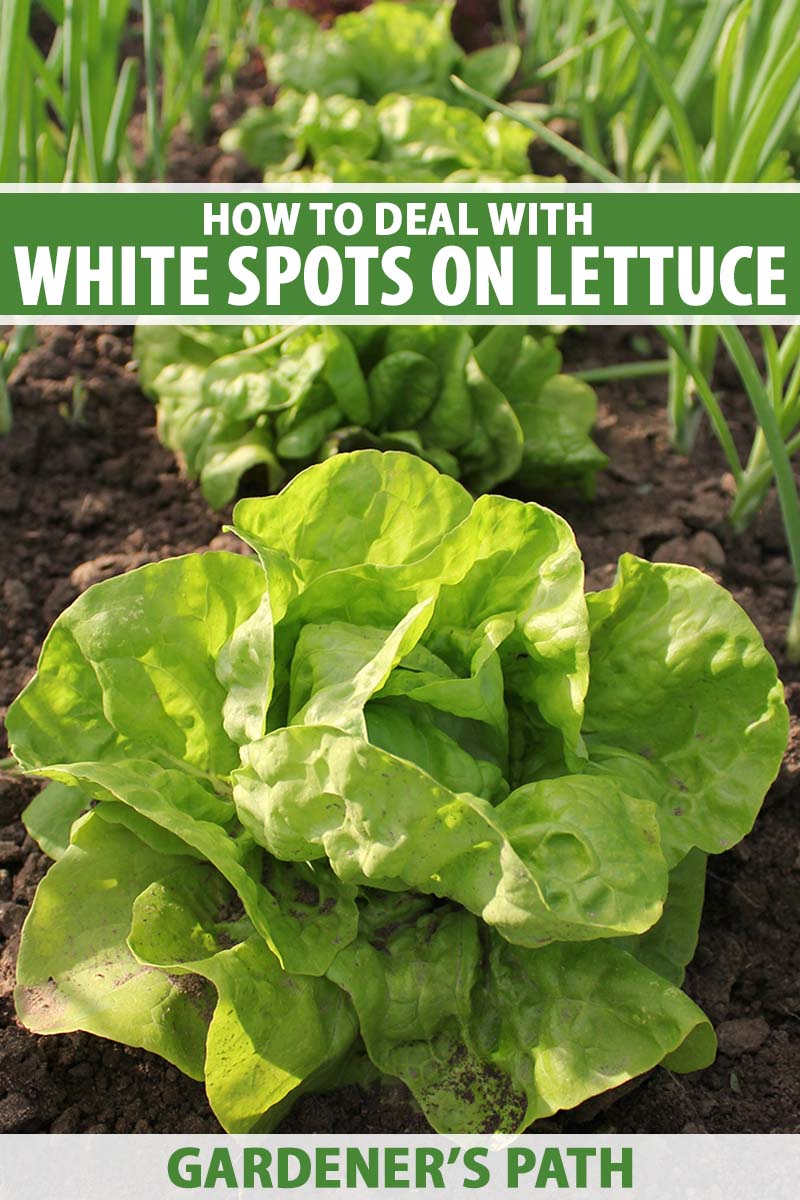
<point>471,253</point>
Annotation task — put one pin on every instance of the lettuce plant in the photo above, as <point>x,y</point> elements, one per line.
<point>370,101</point>
<point>483,405</point>
<point>387,47</point>
<point>306,138</point>
<point>394,797</point>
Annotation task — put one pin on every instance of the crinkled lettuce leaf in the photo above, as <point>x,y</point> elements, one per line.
<point>129,673</point>
<point>304,937</point>
<point>672,639</point>
<point>556,860</point>
<point>75,970</point>
<point>156,961</point>
<point>490,1037</point>
<point>668,947</point>
<point>393,791</point>
<point>272,1034</point>
<point>371,100</point>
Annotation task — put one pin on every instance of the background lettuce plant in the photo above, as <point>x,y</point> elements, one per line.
<point>370,100</point>
<point>393,797</point>
<point>305,137</point>
<point>485,406</point>
<point>386,47</point>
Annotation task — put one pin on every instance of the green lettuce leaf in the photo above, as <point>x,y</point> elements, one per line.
<point>392,510</point>
<point>303,937</point>
<point>684,705</point>
<point>306,57</point>
<point>669,946</point>
<point>408,49</point>
<point>371,100</point>
<point>490,1037</point>
<point>491,70</point>
<point>75,970</point>
<point>128,671</point>
<point>556,426</point>
<point>272,1034</point>
<point>51,814</point>
<point>384,48</point>
<point>566,859</point>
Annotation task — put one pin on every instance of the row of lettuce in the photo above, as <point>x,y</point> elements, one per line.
<point>370,100</point>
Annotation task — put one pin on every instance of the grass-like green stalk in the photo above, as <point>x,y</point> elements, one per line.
<point>761,401</point>
<point>6,413</point>
<point>769,117</point>
<point>719,83</point>
<point>573,53</point>
<point>508,20</point>
<point>152,107</point>
<point>783,388</point>
<point>682,426</point>
<point>64,117</point>
<point>682,407</point>
<point>22,337</point>
<point>694,371</point>
<point>14,18</point>
<point>691,77</point>
<point>686,145</point>
<point>572,153</point>
<point>620,371</point>
<point>198,46</point>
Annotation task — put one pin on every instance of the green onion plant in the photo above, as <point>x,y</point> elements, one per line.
<point>20,339</point>
<point>658,92</point>
<point>194,47</point>
<point>65,112</point>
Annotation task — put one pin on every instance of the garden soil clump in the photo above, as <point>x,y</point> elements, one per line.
<point>86,492</point>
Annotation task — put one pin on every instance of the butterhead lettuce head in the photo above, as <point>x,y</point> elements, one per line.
<point>390,797</point>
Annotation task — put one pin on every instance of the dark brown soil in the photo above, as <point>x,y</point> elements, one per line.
<point>86,491</point>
